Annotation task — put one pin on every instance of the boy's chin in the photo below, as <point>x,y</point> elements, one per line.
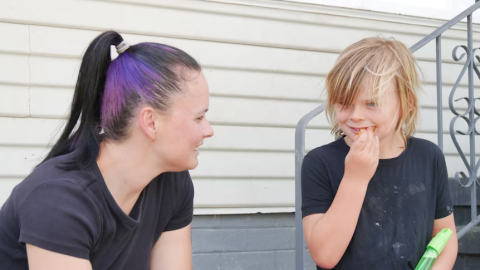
<point>349,139</point>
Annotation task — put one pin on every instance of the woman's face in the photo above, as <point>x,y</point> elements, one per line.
<point>184,127</point>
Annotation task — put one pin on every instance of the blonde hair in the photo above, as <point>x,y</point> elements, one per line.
<point>376,61</point>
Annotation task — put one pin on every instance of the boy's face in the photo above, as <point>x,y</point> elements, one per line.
<point>364,112</point>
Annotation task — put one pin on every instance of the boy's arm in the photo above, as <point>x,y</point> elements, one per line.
<point>328,235</point>
<point>446,259</point>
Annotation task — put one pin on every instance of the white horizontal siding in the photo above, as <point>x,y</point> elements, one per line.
<point>441,9</point>
<point>212,21</point>
<point>266,68</point>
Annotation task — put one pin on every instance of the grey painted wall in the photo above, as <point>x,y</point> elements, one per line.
<point>266,241</point>
<point>259,241</point>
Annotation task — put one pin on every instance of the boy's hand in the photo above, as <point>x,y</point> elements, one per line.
<point>362,160</point>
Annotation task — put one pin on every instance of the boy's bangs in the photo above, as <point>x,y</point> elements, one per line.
<point>346,86</point>
<point>375,77</point>
<point>341,97</point>
<point>376,87</point>
<point>381,70</point>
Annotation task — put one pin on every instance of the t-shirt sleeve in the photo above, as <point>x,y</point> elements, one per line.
<point>444,205</point>
<point>317,192</point>
<point>58,216</point>
<point>183,209</point>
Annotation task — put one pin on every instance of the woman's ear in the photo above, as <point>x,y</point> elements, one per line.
<point>147,119</point>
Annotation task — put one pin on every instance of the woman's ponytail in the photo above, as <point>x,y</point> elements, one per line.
<point>87,99</point>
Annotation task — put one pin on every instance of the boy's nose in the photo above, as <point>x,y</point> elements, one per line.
<point>357,114</point>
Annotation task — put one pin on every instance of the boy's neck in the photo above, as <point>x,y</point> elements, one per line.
<point>391,147</point>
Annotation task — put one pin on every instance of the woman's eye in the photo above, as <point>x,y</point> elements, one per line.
<point>200,118</point>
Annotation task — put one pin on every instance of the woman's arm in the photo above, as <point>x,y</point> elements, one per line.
<point>42,259</point>
<point>447,258</point>
<point>173,250</point>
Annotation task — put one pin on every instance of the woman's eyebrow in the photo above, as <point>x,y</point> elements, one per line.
<point>203,111</point>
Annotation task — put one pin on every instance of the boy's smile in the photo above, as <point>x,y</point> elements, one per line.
<point>358,130</point>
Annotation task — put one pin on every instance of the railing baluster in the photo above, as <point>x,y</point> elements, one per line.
<point>439,92</point>
<point>472,168</point>
<point>471,95</point>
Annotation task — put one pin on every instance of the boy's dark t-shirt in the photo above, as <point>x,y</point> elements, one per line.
<point>404,197</point>
<point>73,213</point>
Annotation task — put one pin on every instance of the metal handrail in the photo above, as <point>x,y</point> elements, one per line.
<point>445,27</point>
<point>299,154</point>
<point>471,116</point>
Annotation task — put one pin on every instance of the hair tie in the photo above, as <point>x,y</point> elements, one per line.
<point>123,46</point>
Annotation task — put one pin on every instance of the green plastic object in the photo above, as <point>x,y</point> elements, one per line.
<point>434,248</point>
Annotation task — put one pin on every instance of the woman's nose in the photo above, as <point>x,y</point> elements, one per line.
<point>208,131</point>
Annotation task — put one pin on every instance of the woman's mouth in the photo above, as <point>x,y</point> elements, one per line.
<point>196,149</point>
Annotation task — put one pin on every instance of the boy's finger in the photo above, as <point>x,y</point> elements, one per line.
<point>368,144</point>
<point>359,143</point>
<point>372,140</point>
<point>377,147</point>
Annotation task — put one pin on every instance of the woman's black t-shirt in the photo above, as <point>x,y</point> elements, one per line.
<point>404,197</point>
<point>72,212</point>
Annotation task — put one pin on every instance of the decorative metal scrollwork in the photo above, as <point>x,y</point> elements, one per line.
<point>467,116</point>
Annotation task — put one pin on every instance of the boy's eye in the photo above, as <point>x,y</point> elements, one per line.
<point>371,104</point>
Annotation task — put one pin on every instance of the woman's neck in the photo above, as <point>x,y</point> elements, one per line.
<point>127,170</point>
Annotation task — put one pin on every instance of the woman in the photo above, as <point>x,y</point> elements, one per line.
<point>114,192</point>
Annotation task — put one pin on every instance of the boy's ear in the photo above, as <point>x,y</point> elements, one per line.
<point>412,102</point>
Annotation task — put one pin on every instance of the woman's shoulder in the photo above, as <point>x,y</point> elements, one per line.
<point>58,168</point>
<point>52,181</point>
<point>56,197</point>
<point>53,202</point>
